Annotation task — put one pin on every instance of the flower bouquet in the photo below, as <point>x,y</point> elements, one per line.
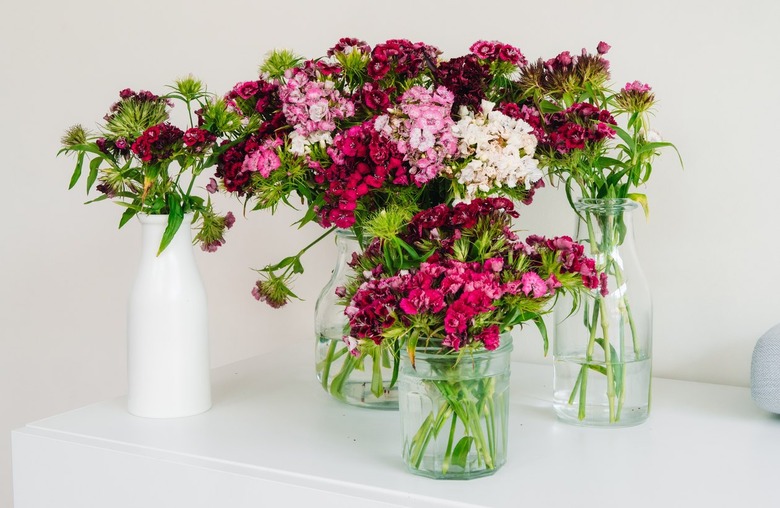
<point>149,166</point>
<point>362,131</point>
<point>446,290</point>
<point>597,143</point>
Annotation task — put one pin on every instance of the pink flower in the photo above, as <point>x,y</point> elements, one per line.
<point>212,186</point>
<point>422,300</point>
<point>636,86</point>
<point>552,283</point>
<point>230,219</point>
<point>603,48</point>
<point>603,279</point>
<point>533,285</point>
<point>494,264</point>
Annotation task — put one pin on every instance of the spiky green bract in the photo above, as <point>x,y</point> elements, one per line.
<point>385,224</point>
<point>189,88</point>
<point>74,136</point>
<point>134,116</point>
<point>219,119</point>
<point>353,67</point>
<point>278,62</point>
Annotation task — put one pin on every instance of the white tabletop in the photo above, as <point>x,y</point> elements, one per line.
<point>703,445</point>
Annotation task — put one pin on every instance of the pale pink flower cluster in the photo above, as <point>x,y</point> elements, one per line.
<point>264,159</point>
<point>312,108</point>
<point>422,128</point>
<point>501,149</point>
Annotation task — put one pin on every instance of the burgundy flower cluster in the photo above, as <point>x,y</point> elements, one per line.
<point>494,50</point>
<point>464,298</point>
<point>197,139</point>
<point>572,256</point>
<point>255,96</point>
<point>157,142</point>
<point>349,44</point>
<point>467,78</point>
<point>362,161</point>
<point>402,58</point>
<point>576,126</point>
<point>142,96</point>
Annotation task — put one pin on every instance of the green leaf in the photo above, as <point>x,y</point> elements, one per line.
<point>647,147</point>
<point>539,322</point>
<point>77,171</point>
<point>129,214</point>
<point>281,264</point>
<point>642,200</point>
<point>94,166</point>
<point>461,452</point>
<point>175,218</point>
<point>102,197</point>
<point>549,107</point>
<point>608,162</point>
<point>626,137</point>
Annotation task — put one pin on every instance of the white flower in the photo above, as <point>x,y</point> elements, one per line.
<point>318,110</point>
<point>502,150</point>
<point>297,143</point>
<point>653,136</point>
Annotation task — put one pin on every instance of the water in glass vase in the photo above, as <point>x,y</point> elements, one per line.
<point>355,380</point>
<point>455,449</point>
<point>582,390</point>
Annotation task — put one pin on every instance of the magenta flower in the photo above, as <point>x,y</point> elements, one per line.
<point>636,86</point>
<point>603,48</point>
<point>533,285</point>
<point>422,300</point>
<point>230,219</point>
<point>490,337</point>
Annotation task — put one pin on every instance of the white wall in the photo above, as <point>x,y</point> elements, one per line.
<point>710,250</point>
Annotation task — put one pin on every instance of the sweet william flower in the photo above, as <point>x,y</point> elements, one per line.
<point>533,285</point>
<point>490,337</point>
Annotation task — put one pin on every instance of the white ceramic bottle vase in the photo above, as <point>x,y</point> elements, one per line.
<point>167,328</point>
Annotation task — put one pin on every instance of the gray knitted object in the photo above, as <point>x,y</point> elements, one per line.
<point>765,371</point>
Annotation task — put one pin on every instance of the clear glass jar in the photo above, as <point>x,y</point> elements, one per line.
<point>368,380</point>
<point>455,411</point>
<point>603,351</point>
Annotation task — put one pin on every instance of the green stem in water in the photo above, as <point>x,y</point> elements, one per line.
<point>608,361</point>
<point>349,365</point>
<point>327,364</point>
<point>445,465</point>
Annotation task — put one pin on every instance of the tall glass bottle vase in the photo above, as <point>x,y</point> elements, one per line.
<point>367,380</point>
<point>602,351</point>
<point>167,327</point>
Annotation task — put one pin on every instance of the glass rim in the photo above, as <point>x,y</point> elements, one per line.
<point>605,204</point>
<point>420,353</point>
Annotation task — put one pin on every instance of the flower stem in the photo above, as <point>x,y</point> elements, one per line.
<point>328,362</point>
